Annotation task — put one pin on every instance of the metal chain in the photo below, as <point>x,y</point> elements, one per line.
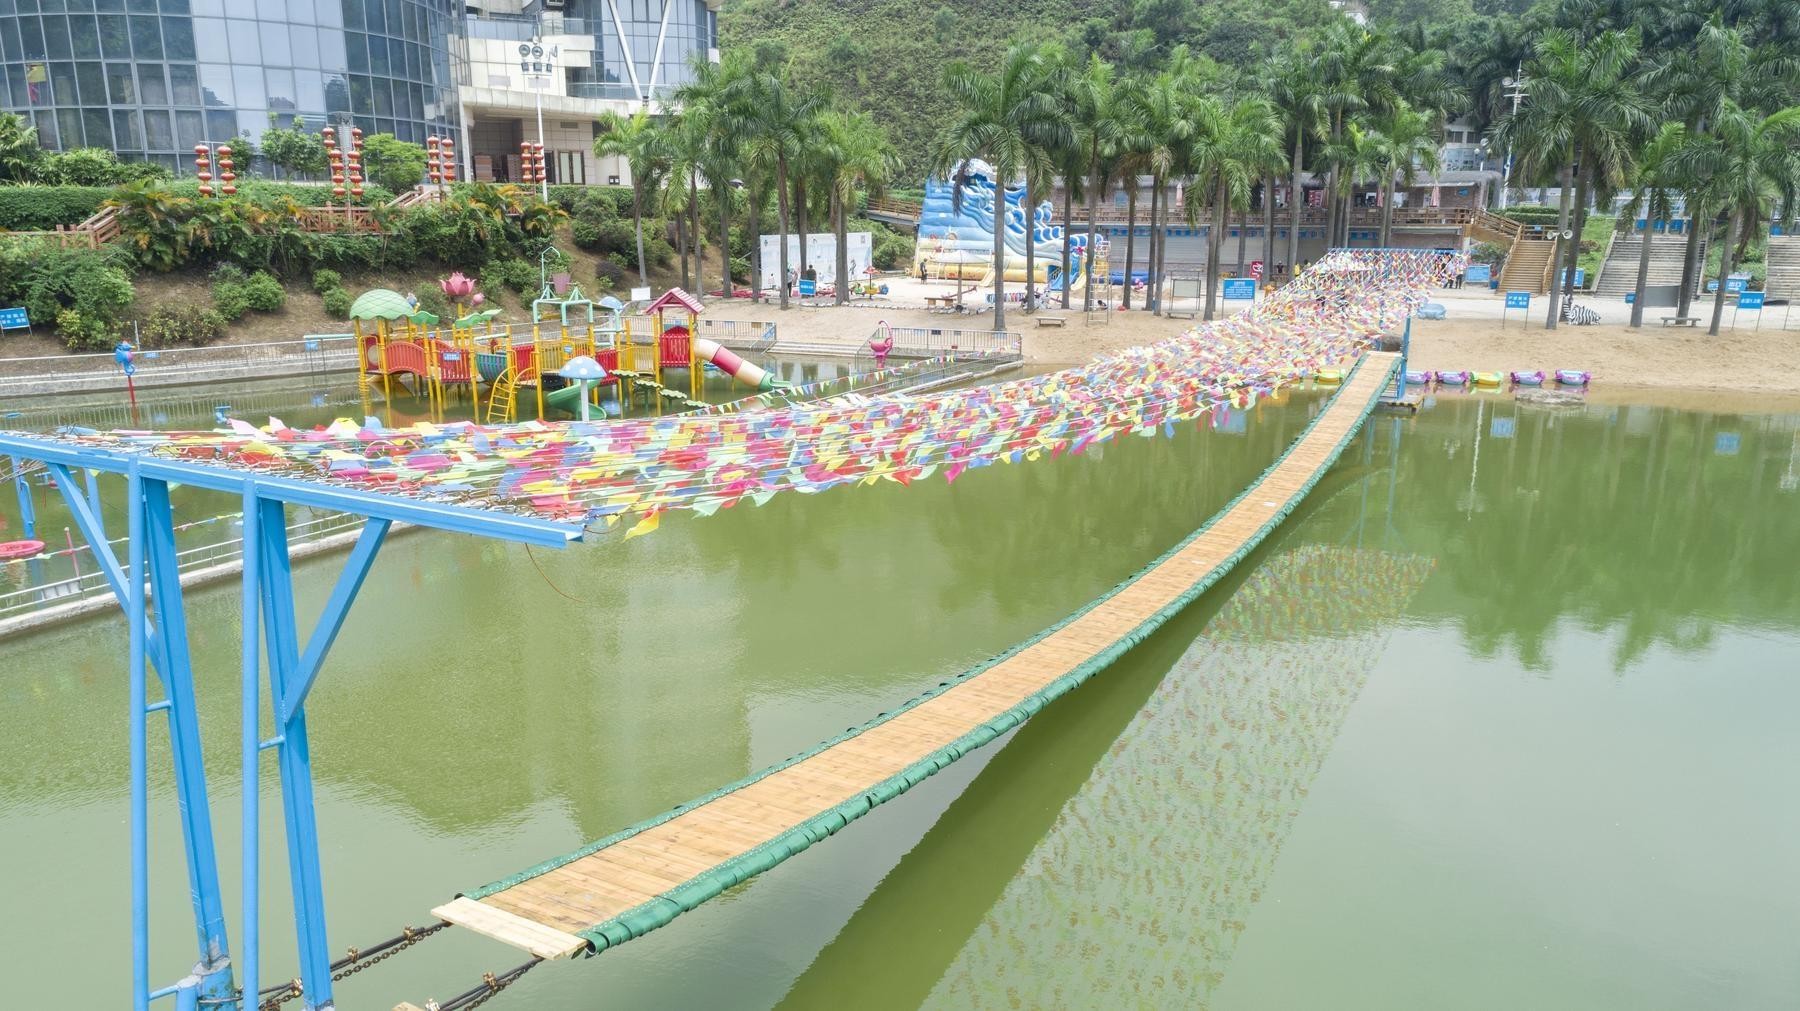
<point>353,962</point>
<point>491,985</point>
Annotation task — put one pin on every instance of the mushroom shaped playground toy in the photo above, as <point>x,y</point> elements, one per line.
<point>586,372</point>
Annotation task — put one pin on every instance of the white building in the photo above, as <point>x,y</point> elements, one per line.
<point>609,55</point>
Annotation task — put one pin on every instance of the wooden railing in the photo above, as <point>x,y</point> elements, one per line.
<point>890,207</point>
<point>1310,217</point>
<point>339,219</point>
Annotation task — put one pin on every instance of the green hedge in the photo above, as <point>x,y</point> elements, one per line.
<point>306,195</point>
<point>31,208</point>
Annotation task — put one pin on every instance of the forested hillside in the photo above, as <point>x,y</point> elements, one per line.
<point>887,56</point>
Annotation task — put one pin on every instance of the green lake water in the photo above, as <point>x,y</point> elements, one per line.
<point>1502,717</point>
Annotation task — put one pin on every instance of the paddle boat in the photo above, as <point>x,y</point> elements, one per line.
<point>1573,377</point>
<point>1459,377</point>
<point>1527,378</point>
<point>1488,380</point>
<point>1418,377</point>
<point>1328,377</point>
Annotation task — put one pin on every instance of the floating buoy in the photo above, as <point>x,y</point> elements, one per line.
<point>14,550</point>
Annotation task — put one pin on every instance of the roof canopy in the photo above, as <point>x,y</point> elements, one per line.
<point>380,303</point>
<point>676,297</point>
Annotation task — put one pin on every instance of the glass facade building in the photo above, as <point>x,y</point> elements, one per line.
<point>150,79</point>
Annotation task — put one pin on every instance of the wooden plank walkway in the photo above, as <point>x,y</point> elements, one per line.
<point>640,879</point>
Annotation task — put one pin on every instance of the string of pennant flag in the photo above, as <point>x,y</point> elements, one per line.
<point>627,474</point>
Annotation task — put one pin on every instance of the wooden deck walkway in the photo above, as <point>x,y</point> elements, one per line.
<point>627,884</point>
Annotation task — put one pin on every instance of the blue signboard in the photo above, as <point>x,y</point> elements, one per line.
<point>1241,289</point>
<point>1751,299</point>
<point>808,288</point>
<point>1630,297</point>
<point>1518,300</point>
<point>1479,273</point>
<point>1731,284</point>
<point>14,319</point>
<point>1580,277</point>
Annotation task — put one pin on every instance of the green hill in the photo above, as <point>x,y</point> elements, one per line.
<point>887,56</point>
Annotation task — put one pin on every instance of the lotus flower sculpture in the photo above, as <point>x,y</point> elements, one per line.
<point>457,287</point>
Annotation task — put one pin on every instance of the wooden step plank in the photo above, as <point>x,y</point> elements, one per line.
<point>514,930</point>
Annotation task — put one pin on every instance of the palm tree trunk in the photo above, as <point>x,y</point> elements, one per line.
<point>1577,220</point>
<point>1150,300</point>
<point>722,194</point>
<point>1029,303</point>
<point>1215,238</point>
<point>1726,256</point>
<point>1162,249</point>
<point>1566,177</point>
<point>1268,242</point>
<point>1130,236</point>
<point>999,258</point>
<point>800,223</point>
<point>1068,229</point>
<point>637,217</point>
<point>1387,212</point>
<point>1087,260</point>
<point>753,204</point>
<point>841,233</point>
<point>1690,261</point>
<point>1243,238</point>
<point>694,227</point>
<point>1295,200</point>
<point>1643,270</point>
<point>781,211</point>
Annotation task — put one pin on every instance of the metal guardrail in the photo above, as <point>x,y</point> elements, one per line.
<point>91,582</point>
<point>316,353</point>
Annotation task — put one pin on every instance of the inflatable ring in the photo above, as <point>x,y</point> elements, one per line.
<point>15,550</point>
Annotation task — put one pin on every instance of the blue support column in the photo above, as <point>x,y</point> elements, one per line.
<point>93,490</point>
<point>27,508</point>
<point>250,940</point>
<point>175,666</point>
<point>137,623</point>
<point>295,759</point>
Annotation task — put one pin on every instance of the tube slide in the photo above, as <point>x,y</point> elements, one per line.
<point>728,362</point>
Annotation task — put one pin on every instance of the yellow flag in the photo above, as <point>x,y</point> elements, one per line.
<point>646,525</point>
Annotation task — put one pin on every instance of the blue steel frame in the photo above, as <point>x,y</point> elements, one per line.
<point>148,588</point>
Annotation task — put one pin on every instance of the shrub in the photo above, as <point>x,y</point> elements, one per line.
<point>183,323</point>
<point>264,293</point>
<point>228,290</point>
<point>513,275</point>
<point>337,303</point>
<point>325,279</point>
<point>610,276</point>
<point>85,332</point>
<point>432,300</point>
<point>42,208</point>
<point>587,233</point>
<point>91,166</point>
<point>392,162</point>
<point>48,280</point>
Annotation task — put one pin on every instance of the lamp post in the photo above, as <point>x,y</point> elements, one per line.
<point>538,63</point>
<point>1516,90</point>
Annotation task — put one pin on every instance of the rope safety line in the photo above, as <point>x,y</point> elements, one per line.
<point>354,961</point>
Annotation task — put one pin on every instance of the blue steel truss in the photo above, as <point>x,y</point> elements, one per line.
<point>148,588</point>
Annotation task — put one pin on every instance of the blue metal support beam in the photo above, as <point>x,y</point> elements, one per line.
<point>27,507</point>
<point>175,666</point>
<point>138,628</point>
<point>294,756</point>
<point>356,569</point>
<point>250,941</point>
<point>89,523</point>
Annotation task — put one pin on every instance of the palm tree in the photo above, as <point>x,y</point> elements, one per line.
<point>780,124</point>
<point>858,157</point>
<point>1165,107</point>
<point>710,101</point>
<point>999,119</point>
<point>639,140</point>
<point>1656,180</point>
<point>1405,141</point>
<point>1300,97</point>
<point>1356,72</point>
<point>1233,148</point>
<point>19,149</point>
<point>1747,161</point>
<point>1586,111</point>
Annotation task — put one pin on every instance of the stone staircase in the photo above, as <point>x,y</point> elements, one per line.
<point>1528,266</point>
<point>1618,274</point>
<point>1783,261</point>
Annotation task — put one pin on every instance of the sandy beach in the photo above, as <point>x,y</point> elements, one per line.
<point>1747,359</point>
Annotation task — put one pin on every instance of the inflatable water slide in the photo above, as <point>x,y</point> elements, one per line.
<point>959,242</point>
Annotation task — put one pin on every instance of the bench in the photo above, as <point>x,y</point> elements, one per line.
<point>1043,321</point>
<point>1681,321</point>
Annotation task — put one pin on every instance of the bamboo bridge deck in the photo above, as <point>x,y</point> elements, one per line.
<point>641,878</point>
